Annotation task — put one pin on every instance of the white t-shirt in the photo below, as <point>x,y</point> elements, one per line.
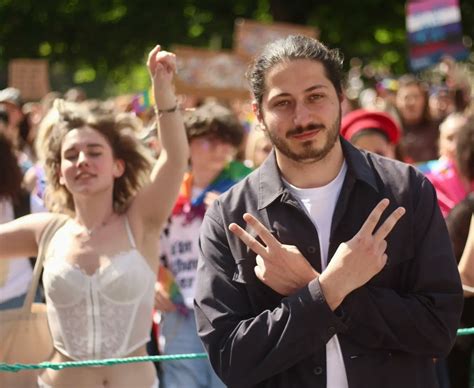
<point>319,204</point>
<point>15,273</point>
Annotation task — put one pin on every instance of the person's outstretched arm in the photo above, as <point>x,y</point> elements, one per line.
<point>19,238</point>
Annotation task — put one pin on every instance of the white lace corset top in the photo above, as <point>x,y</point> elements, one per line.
<point>104,315</point>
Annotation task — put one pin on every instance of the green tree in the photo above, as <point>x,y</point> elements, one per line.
<point>101,45</point>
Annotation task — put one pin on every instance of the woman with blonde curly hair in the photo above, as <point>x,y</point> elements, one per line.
<point>101,264</point>
<point>257,148</point>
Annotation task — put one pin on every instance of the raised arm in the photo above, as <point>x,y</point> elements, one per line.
<point>155,201</point>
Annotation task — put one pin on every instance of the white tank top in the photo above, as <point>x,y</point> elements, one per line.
<point>104,315</point>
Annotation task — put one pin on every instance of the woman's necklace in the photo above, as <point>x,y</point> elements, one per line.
<point>90,231</point>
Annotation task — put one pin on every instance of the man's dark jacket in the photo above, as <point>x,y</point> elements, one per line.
<point>389,330</point>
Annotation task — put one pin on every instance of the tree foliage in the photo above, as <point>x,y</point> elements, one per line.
<point>102,43</point>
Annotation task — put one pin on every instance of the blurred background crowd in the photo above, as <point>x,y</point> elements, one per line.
<point>423,117</point>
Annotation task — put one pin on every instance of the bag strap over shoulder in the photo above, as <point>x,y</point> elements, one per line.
<point>48,233</point>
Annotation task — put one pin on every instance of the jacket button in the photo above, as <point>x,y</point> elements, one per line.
<point>318,370</point>
<point>331,330</point>
<point>311,249</point>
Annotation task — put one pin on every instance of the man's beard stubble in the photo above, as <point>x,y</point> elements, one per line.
<point>309,154</point>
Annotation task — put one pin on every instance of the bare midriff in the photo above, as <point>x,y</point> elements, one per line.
<point>139,375</point>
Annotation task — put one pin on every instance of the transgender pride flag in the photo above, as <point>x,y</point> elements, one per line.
<point>434,30</point>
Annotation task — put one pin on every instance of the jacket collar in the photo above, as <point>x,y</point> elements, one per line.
<point>272,187</point>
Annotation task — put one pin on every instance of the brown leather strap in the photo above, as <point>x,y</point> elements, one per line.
<point>48,233</point>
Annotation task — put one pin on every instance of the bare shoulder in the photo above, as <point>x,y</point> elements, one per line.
<point>39,224</point>
<point>20,237</point>
<point>31,222</point>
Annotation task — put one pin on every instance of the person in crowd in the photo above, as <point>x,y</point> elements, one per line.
<point>466,267</point>
<point>460,223</point>
<point>10,100</point>
<point>35,178</point>
<point>387,89</point>
<point>419,141</point>
<point>214,135</point>
<point>344,274</point>
<point>100,267</point>
<point>257,148</point>
<point>448,131</point>
<point>15,273</point>
<point>452,175</point>
<point>371,131</point>
<point>75,95</point>
<point>33,115</point>
<point>440,102</point>
<point>458,80</point>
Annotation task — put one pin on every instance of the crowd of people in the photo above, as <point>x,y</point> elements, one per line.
<point>326,241</point>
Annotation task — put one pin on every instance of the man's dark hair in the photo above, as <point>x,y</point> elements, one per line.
<point>290,48</point>
<point>212,119</point>
<point>465,149</point>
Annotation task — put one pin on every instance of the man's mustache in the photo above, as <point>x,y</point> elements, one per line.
<point>299,130</point>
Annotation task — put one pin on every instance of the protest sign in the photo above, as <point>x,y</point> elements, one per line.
<point>434,30</point>
<point>250,36</point>
<point>30,76</point>
<point>203,73</point>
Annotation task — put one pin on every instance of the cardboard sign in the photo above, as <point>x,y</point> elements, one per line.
<point>434,30</point>
<point>205,73</point>
<point>30,76</point>
<point>250,36</point>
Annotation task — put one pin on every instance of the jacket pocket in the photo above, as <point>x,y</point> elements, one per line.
<point>400,252</point>
<point>244,272</point>
<point>261,297</point>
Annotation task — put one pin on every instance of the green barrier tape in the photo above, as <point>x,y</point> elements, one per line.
<point>105,362</point>
<point>114,361</point>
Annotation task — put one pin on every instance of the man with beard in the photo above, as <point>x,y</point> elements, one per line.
<point>327,266</point>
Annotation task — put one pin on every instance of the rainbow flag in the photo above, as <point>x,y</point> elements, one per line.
<point>192,209</point>
<point>167,280</point>
<point>142,101</point>
<point>228,177</point>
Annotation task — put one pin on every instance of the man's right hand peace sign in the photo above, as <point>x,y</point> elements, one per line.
<point>359,259</point>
